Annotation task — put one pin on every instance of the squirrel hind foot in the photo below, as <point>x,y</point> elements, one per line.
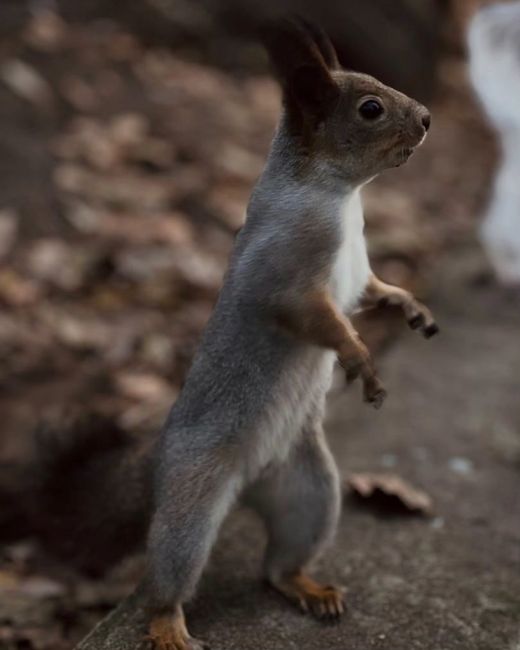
<point>324,602</point>
<point>170,633</point>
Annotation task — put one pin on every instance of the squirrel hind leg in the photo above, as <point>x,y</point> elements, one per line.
<point>169,632</point>
<point>300,504</point>
<point>193,499</point>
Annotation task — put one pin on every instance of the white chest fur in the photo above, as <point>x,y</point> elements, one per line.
<point>351,269</point>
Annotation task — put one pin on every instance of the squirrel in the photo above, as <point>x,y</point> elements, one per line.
<point>248,421</point>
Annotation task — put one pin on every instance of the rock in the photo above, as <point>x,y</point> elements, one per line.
<point>463,466</point>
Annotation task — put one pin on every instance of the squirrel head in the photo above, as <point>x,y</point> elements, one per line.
<point>345,122</point>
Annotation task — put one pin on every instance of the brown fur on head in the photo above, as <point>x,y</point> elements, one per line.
<point>349,122</point>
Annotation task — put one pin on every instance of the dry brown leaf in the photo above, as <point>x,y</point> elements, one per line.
<point>144,386</point>
<point>46,31</point>
<point>37,587</point>
<point>153,152</point>
<point>229,202</point>
<point>128,190</point>
<point>26,82</point>
<point>389,493</point>
<point>16,290</point>
<point>128,129</point>
<point>8,231</point>
<point>153,396</point>
<point>172,228</point>
<point>60,264</point>
<point>78,92</point>
<point>78,330</point>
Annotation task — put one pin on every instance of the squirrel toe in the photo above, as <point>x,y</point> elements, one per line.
<point>431,330</point>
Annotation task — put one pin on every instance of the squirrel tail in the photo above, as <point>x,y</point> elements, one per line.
<point>89,490</point>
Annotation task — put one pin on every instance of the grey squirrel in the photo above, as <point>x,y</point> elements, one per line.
<point>248,422</point>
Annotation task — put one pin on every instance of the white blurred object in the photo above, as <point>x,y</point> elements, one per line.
<point>494,49</point>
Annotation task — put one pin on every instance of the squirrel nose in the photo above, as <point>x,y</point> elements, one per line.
<point>426,120</point>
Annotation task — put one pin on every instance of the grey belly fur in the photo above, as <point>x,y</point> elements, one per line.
<point>249,392</point>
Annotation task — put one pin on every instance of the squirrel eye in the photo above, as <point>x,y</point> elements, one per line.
<point>371,109</point>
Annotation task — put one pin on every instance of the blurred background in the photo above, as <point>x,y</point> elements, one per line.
<point>130,137</point>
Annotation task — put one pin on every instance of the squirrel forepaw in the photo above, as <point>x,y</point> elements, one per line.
<point>374,392</point>
<point>420,318</point>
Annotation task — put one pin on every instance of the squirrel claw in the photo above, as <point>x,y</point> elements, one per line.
<point>431,330</point>
<point>374,392</point>
<point>376,399</point>
<point>327,603</point>
<point>352,370</point>
<point>420,322</point>
<point>167,633</point>
<point>416,322</point>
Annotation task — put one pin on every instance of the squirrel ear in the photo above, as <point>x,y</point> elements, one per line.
<point>311,90</point>
<point>300,66</point>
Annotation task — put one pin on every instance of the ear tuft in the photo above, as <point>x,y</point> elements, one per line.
<point>300,65</point>
<point>323,43</point>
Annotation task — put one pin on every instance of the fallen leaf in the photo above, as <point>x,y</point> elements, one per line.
<point>46,31</point>
<point>144,386</point>
<point>389,493</point>
<point>158,350</point>
<point>8,231</point>
<point>128,129</point>
<point>78,92</point>
<point>55,262</point>
<point>172,228</point>
<point>153,398</point>
<point>26,82</point>
<point>77,330</point>
<point>37,587</point>
<point>126,190</point>
<point>16,290</point>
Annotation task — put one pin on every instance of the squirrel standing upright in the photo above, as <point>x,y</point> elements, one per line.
<point>248,421</point>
